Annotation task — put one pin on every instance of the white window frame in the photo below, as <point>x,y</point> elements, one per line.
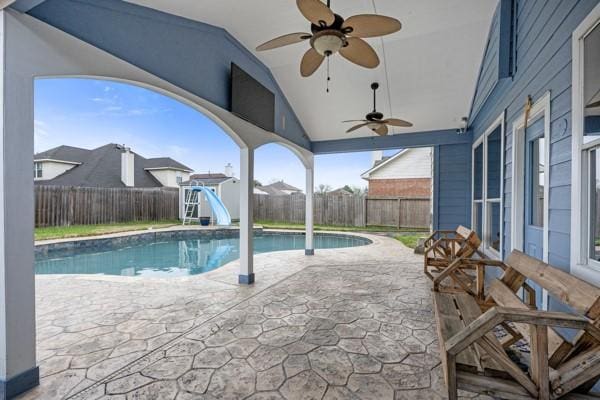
<point>38,166</point>
<point>482,140</point>
<point>540,109</point>
<point>582,265</point>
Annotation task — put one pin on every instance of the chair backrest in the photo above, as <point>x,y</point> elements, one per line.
<point>581,296</point>
<point>471,244</point>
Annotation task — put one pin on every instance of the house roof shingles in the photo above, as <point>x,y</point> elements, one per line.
<point>100,167</point>
<point>207,179</point>
<point>164,162</point>
<point>281,185</point>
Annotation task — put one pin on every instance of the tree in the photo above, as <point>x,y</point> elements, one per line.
<point>322,189</point>
<point>358,191</point>
<point>348,189</point>
<point>257,183</point>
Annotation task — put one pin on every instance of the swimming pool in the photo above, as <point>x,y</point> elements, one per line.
<point>172,256</point>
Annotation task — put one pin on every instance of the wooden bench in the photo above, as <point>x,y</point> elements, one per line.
<point>453,256</point>
<point>474,359</point>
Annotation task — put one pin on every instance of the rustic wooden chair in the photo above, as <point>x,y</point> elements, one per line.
<point>447,257</point>
<point>474,359</point>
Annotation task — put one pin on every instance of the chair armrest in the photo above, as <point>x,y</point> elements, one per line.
<point>496,315</point>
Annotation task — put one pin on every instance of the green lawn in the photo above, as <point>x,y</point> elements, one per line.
<point>284,225</point>
<point>61,232</point>
<point>410,240</point>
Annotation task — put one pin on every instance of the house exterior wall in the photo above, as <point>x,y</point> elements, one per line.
<point>52,169</point>
<point>451,186</point>
<point>230,194</point>
<point>543,64</point>
<point>413,163</point>
<point>168,177</point>
<point>407,175</point>
<point>408,187</point>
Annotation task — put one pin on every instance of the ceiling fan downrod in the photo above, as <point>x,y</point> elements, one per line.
<point>374,86</point>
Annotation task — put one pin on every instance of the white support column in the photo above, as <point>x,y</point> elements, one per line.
<point>18,371</point>
<point>308,219</point>
<point>246,275</point>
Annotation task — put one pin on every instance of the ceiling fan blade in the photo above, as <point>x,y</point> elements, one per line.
<point>311,61</point>
<point>371,25</point>
<point>355,120</point>
<point>382,130</point>
<point>397,122</point>
<point>284,40</point>
<point>593,105</point>
<point>360,52</point>
<point>355,127</point>
<point>315,11</point>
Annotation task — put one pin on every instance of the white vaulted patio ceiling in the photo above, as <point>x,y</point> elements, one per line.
<point>427,74</point>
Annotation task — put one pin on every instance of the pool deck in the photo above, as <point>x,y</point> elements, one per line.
<point>350,323</point>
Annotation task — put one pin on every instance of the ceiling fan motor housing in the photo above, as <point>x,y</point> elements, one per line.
<point>374,116</point>
<point>328,41</point>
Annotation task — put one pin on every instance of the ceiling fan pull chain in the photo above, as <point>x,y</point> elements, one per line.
<point>328,77</point>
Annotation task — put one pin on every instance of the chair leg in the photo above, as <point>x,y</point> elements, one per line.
<point>451,377</point>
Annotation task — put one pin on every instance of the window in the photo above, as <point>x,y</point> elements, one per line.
<point>478,190</point>
<point>585,191</point>
<point>487,188</point>
<point>37,170</point>
<point>594,191</point>
<point>179,179</point>
<point>537,182</point>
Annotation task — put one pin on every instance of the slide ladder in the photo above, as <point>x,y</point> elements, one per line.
<point>192,201</point>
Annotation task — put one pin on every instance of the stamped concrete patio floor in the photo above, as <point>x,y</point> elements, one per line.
<point>352,323</point>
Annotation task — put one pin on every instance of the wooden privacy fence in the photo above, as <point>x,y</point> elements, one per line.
<point>67,205</point>
<point>357,211</point>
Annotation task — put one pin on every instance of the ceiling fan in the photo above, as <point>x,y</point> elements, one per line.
<point>331,34</point>
<point>595,104</point>
<point>374,120</point>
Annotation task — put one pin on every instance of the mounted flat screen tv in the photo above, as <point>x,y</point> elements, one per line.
<point>252,101</point>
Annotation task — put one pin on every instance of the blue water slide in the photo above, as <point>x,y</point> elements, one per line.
<point>219,210</point>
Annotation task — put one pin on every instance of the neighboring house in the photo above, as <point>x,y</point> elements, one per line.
<point>405,174</point>
<point>279,188</point>
<point>269,191</point>
<point>111,165</point>
<point>225,186</point>
<point>343,191</point>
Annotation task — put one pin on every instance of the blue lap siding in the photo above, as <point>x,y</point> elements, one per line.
<point>543,64</point>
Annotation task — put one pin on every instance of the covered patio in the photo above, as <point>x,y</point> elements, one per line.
<point>504,91</point>
<point>343,324</point>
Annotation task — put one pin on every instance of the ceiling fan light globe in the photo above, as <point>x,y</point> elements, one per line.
<point>327,45</point>
<point>373,125</point>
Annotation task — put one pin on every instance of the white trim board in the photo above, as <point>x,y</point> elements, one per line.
<point>498,122</point>
<point>540,109</point>
<point>579,258</point>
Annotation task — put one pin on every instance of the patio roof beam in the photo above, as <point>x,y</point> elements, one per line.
<point>22,5</point>
<point>404,140</point>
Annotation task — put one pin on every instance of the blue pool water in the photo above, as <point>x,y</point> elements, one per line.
<point>174,257</point>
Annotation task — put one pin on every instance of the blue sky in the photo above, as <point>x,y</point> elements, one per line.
<point>90,113</point>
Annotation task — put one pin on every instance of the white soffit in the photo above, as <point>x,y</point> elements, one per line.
<point>427,75</point>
